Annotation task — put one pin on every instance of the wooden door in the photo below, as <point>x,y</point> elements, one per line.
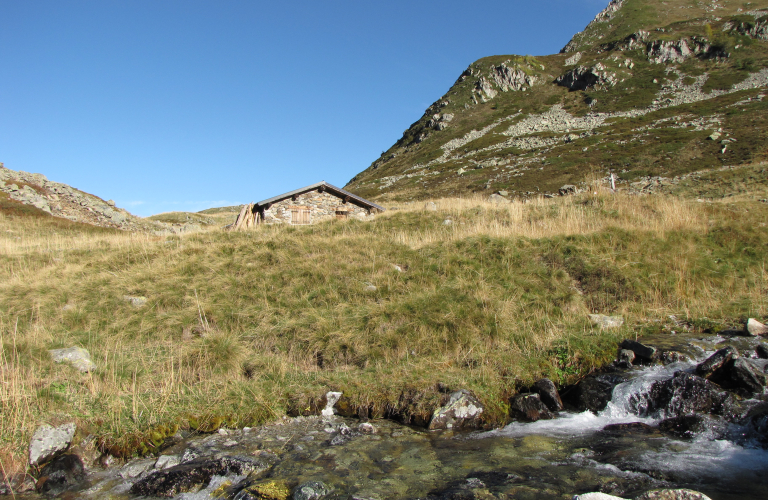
<point>300,216</point>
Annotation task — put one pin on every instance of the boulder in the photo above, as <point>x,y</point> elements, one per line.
<point>48,441</point>
<point>606,322</point>
<point>60,474</point>
<point>717,360</point>
<point>548,394</point>
<point>76,356</point>
<point>529,407</point>
<point>754,327</point>
<point>463,410</point>
<point>687,394</point>
<point>740,376</point>
<point>594,392</point>
<point>756,421</point>
<point>642,351</point>
<point>313,490</point>
<point>193,475</point>
<point>680,494</point>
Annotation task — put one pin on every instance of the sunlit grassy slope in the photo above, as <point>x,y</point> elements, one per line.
<point>240,328</point>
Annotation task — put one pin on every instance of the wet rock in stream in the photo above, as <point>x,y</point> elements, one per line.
<point>716,361</point>
<point>740,376</point>
<point>687,394</point>
<point>194,475</point>
<point>548,394</point>
<point>61,474</point>
<point>529,408</point>
<point>594,392</point>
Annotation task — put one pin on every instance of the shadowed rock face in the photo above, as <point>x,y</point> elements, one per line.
<point>740,376</point>
<point>593,393</point>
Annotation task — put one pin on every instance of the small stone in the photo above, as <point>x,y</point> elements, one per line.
<point>626,357</point>
<point>397,268</point>
<point>447,222</point>
<point>313,490</point>
<point>604,321</point>
<point>567,189</point>
<point>430,206</point>
<point>755,328</point>
<point>503,193</point>
<point>367,428</point>
<point>370,288</point>
<point>111,203</point>
<point>48,441</point>
<point>76,356</point>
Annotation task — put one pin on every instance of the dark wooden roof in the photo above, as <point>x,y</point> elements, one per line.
<point>330,188</point>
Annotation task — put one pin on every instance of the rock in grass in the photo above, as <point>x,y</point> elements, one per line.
<point>135,301</point>
<point>626,358</point>
<point>529,407</point>
<point>642,351</point>
<point>606,322</point>
<point>463,410</point>
<point>430,206</point>
<point>76,356</point>
<point>756,328</point>
<point>370,288</point>
<point>548,394</point>
<point>48,441</point>
<point>680,494</point>
<point>717,360</point>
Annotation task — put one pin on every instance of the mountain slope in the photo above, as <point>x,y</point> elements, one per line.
<point>649,88</point>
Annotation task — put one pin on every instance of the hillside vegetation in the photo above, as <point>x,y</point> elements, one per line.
<point>649,89</point>
<point>243,327</point>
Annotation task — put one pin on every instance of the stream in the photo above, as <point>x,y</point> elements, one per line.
<point>620,450</point>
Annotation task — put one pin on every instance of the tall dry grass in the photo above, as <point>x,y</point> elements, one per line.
<point>239,328</point>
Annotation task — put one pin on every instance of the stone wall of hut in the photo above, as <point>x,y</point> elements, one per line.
<point>321,206</point>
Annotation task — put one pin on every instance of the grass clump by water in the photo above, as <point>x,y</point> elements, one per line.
<point>243,327</point>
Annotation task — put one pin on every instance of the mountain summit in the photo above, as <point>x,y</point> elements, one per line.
<point>649,89</point>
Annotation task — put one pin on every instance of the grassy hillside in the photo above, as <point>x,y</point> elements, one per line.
<point>240,328</point>
<point>508,125</point>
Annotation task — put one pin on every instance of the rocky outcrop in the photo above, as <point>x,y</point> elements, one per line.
<point>604,15</point>
<point>583,78</point>
<point>505,79</point>
<point>757,30</point>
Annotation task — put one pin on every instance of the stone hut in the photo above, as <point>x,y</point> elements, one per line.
<point>310,204</point>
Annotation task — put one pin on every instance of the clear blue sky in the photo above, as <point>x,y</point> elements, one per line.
<point>168,105</point>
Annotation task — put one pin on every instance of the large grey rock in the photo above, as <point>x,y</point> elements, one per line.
<point>740,376</point>
<point>604,321</point>
<point>462,410</point>
<point>755,328</point>
<point>48,441</point>
<point>76,356</point>
<point>680,494</point>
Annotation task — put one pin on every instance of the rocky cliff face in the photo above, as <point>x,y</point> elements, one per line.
<point>641,92</point>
